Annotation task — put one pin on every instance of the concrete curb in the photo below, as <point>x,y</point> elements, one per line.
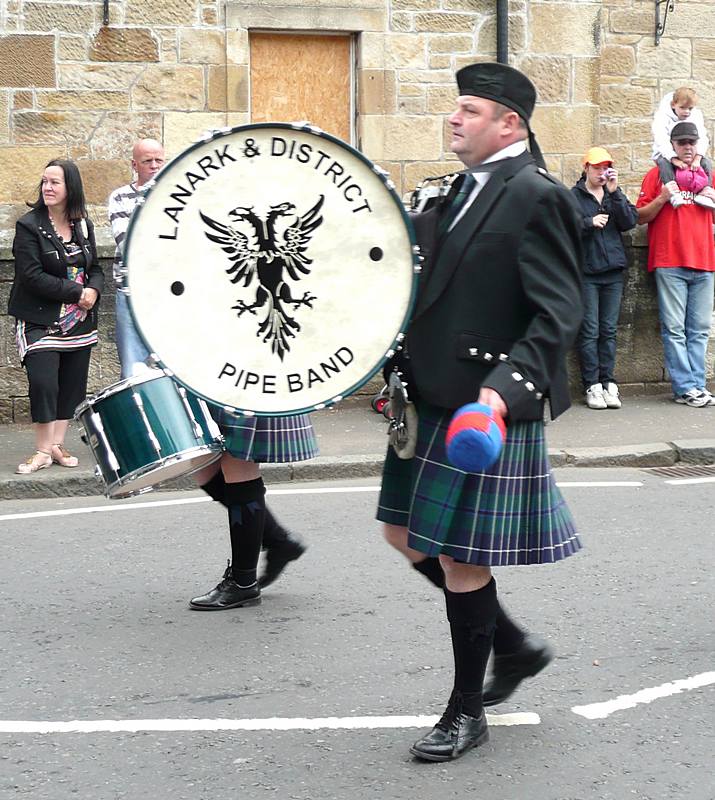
<point>70,483</point>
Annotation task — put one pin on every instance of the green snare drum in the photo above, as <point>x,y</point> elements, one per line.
<point>147,430</point>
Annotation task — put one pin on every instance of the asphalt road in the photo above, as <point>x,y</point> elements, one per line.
<point>95,628</point>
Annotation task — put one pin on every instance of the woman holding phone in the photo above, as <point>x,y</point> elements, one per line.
<point>606,213</point>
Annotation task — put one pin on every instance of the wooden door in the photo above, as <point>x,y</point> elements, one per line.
<point>296,77</point>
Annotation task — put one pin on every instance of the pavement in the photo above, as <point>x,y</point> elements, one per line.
<point>647,432</point>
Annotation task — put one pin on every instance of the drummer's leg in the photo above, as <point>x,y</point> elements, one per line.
<point>244,497</point>
<point>280,545</point>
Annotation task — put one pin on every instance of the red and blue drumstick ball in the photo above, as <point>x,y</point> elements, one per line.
<point>475,437</point>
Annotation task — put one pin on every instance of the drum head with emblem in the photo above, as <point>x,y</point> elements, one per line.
<point>271,268</point>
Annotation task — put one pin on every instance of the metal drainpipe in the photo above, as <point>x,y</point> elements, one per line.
<point>503,31</point>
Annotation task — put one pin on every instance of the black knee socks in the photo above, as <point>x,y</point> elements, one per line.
<point>273,531</point>
<point>246,513</point>
<point>472,617</point>
<point>508,636</point>
<point>432,570</point>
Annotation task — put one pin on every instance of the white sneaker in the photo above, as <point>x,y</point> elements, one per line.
<point>677,199</point>
<point>611,396</point>
<point>693,398</point>
<point>710,399</point>
<point>701,200</point>
<point>594,396</point>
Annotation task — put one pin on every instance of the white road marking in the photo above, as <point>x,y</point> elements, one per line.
<point>133,505</point>
<point>271,724</point>
<point>598,484</point>
<point>686,481</point>
<point>603,710</point>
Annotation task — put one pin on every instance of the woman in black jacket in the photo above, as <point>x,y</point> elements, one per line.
<point>54,299</point>
<point>606,214</point>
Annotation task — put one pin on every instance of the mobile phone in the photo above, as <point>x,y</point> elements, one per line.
<point>609,173</point>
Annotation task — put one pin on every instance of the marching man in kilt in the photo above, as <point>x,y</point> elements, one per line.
<point>498,307</point>
<point>235,481</point>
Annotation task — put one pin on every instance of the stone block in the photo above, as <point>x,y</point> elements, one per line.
<point>201,46</point>
<point>569,29</point>
<point>440,99</point>
<point>587,80</point>
<point>411,105</point>
<point>228,88</point>
<point>487,40</point>
<point>402,23</point>
<point>113,77</point>
<point>633,130</point>
<point>474,6</point>
<point>412,138</point>
<point>618,59</point>
<point>448,44</point>
<point>52,16</point>
<point>640,20</point>
<point>440,62</point>
<point>209,16</point>
<point>565,130</point>
<point>4,118</point>
<point>376,91</point>
<point>416,171</point>
<point>102,176</point>
<point>672,57</point>
<point>179,88</point>
<point>412,5</point>
<point>27,60</point>
<point>72,48</point>
<point>114,137</point>
<point>551,75</point>
<point>695,451</point>
<point>237,46</point>
<point>405,50</point>
<point>372,51</point>
<point>445,76</point>
<point>443,22</point>
<point>22,100</point>
<point>161,12</point>
<point>703,50</point>
<point>124,44</point>
<point>66,100</point>
<point>625,100</point>
<point>53,127</point>
<point>691,20</point>
<point>183,129</point>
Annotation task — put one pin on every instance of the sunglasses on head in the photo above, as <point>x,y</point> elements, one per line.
<point>686,141</point>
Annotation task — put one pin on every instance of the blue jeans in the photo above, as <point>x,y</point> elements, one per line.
<point>130,347</point>
<point>597,337</point>
<point>685,302</point>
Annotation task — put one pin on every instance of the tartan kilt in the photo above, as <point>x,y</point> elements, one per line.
<point>511,514</point>
<point>267,440</point>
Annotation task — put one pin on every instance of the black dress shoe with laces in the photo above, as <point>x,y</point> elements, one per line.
<point>509,670</point>
<point>228,594</point>
<point>452,736</point>
<point>278,556</point>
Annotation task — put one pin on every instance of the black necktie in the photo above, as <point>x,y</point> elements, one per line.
<point>457,202</point>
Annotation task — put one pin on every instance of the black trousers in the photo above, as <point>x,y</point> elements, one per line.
<point>58,382</point>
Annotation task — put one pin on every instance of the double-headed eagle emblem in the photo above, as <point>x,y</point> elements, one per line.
<point>255,249</point>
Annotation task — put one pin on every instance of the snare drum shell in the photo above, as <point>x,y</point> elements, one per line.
<point>142,434</point>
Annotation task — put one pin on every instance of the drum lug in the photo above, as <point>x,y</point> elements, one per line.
<point>112,462</point>
<point>150,433</point>
<point>198,433</point>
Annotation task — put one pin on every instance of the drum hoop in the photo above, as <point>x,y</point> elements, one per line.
<point>177,458</point>
<point>125,383</point>
<point>219,133</point>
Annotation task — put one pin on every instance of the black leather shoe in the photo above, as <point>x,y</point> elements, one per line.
<point>452,736</point>
<point>228,594</point>
<point>509,670</point>
<point>278,556</point>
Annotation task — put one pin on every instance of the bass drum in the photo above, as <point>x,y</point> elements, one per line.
<point>271,269</point>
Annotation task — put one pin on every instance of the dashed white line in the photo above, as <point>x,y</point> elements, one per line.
<point>686,481</point>
<point>644,696</point>
<point>271,724</point>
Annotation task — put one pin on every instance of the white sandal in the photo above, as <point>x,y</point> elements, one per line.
<point>62,457</point>
<point>41,460</point>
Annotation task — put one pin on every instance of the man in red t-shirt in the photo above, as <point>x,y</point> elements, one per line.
<point>681,251</point>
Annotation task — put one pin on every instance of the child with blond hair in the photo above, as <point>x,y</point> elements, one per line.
<point>681,106</point>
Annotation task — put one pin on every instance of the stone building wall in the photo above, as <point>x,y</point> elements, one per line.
<point>170,69</point>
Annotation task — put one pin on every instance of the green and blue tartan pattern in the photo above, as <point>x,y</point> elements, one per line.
<point>267,440</point>
<point>512,514</point>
